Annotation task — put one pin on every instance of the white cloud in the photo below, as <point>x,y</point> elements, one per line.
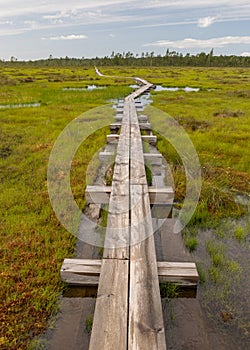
<point>49,8</point>
<point>245,54</point>
<point>198,43</point>
<point>206,21</point>
<point>5,22</point>
<point>67,37</point>
<point>31,24</point>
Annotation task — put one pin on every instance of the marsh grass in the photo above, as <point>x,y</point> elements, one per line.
<point>89,323</point>
<point>217,122</point>
<point>169,291</point>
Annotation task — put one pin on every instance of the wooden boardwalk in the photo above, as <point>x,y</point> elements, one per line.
<point>128,311</point>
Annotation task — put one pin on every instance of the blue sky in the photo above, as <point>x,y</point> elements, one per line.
<point>89,28</point>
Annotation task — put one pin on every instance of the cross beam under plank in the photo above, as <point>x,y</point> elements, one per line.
<point>86,272</point>
<point>152,158</point>
<point>157,196</point>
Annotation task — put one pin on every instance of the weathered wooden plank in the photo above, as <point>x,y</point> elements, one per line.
<point>153,158</point>
<point>101,194</point>
<point>116,245</point>
<point>117,125</point>
<point>85,272</point>
<point>110,320</point>
<point>143,118</point>
<point>112,138</point>
<point>109,329</point>
<point>146,329</point>
<point>137,165</point>
<point>163,196</point>
<point>152,139</point>
<point>106,156</point>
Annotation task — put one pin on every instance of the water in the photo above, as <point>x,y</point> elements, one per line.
<point>87,88</point>
<point>21,105</point>
<point>172,89</point>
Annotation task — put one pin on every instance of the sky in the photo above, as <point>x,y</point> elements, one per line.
<point>32,29</point>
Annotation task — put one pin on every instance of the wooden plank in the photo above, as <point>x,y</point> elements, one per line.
<point>106,156</point>
<point>86,272</point>
<point>143,126</point>
<point>162,196</point>
<point>116,244</point>
<point>137,165</point>
<point>118,118</point>
<point>153,158</point>
<point>143,118</point>
<point>111,313</point>
<point>112,138</point>
<point>146,328</point>
<point>152,139</point>
<point>101,194</point>
<point>109,329</point>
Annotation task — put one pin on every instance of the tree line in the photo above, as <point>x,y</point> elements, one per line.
<point>145,59</point>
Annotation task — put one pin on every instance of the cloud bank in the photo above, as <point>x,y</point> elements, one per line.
<point>189,43</point>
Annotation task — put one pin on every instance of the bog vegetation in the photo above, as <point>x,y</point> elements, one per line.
<point>37,102</point>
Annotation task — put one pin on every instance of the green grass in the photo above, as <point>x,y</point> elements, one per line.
<point>217,122</point>
<point>89,323</point>
<point>169,291</point>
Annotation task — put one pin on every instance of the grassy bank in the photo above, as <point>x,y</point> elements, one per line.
<point>33,243</point>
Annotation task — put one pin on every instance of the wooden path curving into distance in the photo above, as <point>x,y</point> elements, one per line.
<point>128,311</point>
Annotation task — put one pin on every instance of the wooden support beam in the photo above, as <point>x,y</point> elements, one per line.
<point>158,196</point>
<point>113,138</point>
<point>86,272</point>
<point>152,139</point>
<point>143,126</point>
<point>153,158</point>
<point>118,118</point>
<point>143,118</point>
<point>106,156</point>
